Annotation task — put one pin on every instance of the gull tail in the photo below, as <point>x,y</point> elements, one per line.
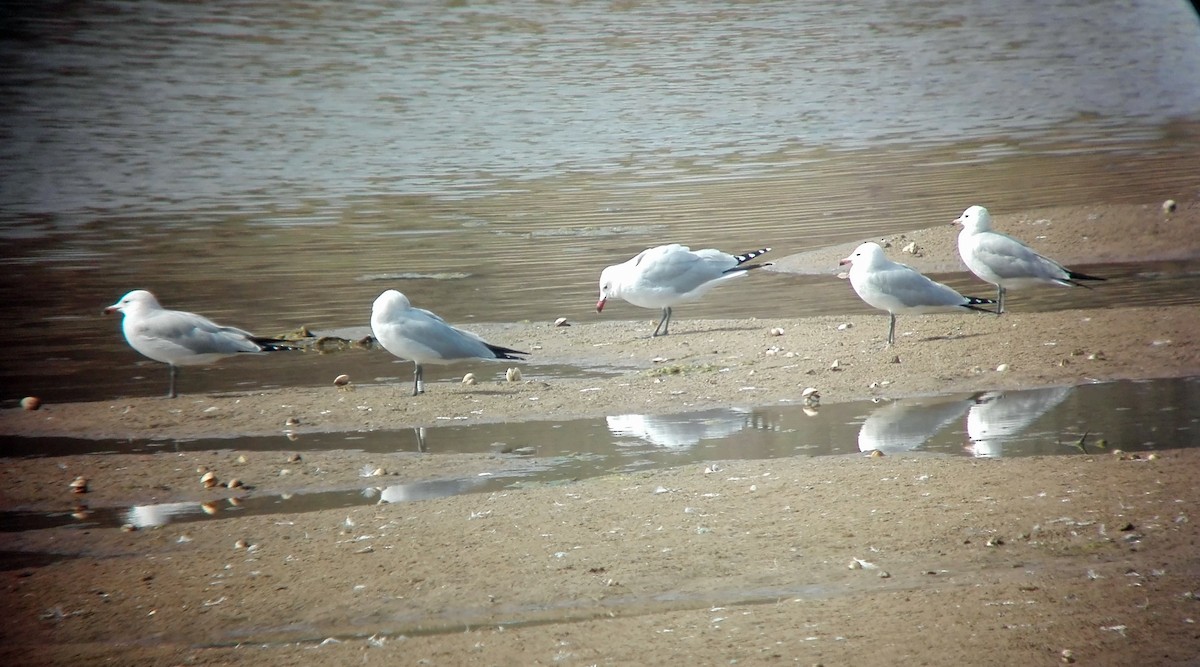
<point>746,257</point>
<point>505,353</point>
<point>974,303</point>
<point>1073,276</point>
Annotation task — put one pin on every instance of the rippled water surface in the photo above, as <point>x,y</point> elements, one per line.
<point>271,165</point>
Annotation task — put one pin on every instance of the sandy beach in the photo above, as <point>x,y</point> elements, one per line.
<point>909,559</point>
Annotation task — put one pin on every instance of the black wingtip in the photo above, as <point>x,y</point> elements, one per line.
<point>974,303</point>
<point>505,352</point>
<point>1072,275</point>
<point>275,345</point>
<point>747,256</point>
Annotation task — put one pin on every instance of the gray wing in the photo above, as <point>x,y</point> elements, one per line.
<point>911,289</point>
<point>425,337</point>
<point>178,333</point>
<point>1008,258</point>
<point>676,269</point>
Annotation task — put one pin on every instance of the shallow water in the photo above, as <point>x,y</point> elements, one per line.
<point>1136,417</point>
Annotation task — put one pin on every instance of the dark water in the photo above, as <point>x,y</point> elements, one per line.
<point>1136,417</point>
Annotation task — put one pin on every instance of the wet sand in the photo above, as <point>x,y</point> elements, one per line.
<point>987,562</point>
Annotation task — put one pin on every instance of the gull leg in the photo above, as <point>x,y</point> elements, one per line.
<point>418,380</point>
<point>171,387</point>
<point>999,299</point>
<point>664,323</point>
<point>892,329</point>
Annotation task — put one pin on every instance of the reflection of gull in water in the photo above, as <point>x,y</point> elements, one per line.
<point>149,516</point>
<point>679,431</point>
<point>1000,415</point>
<point>904,425</point>
<point>429,490</point>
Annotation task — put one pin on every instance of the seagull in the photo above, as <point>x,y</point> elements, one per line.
<point>179,338</point>
<point>424,338</point>
<point>1006,262</point>
<point>899,288</point>
<point>665,275</point>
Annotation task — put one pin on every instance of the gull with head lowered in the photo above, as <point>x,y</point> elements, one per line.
<point>179,338</point>
<point>1006,262</point>
<point>899,288</point>
<point>424,338</point>
<point>665,275</point>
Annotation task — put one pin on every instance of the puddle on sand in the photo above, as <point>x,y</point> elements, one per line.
<point>1134,416</point>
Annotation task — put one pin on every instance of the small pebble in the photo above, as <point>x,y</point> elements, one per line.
<point>911,248</point>
<point>241,544</point>
<point>777,331</point>
<point>293,458</point>
<point>876,454</point>
<point>513,374</point>
<point>836,365</point>
<point>562,322</point>
<point>1169,206</point>
<point>469,379</point>
<point>128,528</point>
<point>79,485</point>
<point>234,483</point>
<point>292,421</point>
<point>342,381</point>
<point>31,403</point>
<point>1001,368</point>
<point>1068,656</point>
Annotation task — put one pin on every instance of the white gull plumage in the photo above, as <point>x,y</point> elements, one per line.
<point>899,288</point>
<point>1006,262</point>
<point>665,275</point>
<point>421,337</point>
<point>179,338</point>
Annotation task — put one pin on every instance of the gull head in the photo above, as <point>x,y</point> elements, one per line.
<point>608,286</point>
<point>389,304</point>
<point>975,219</point>
<point>865,255</point>
<point>137,300</point>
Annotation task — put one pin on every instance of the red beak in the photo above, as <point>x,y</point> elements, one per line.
<point>843,262</point>
<point>600,305</point>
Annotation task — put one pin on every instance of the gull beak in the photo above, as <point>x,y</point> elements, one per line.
<point>844,261</point>
<point>600,304</point>
<point>957,221</point>
<point>111,309</point>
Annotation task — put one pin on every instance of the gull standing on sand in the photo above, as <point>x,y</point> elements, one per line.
<point>665,275</point>
<point>1006,262</point>
<point>899,288</point>
<point>178,338</point>
<point>424,338</point>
